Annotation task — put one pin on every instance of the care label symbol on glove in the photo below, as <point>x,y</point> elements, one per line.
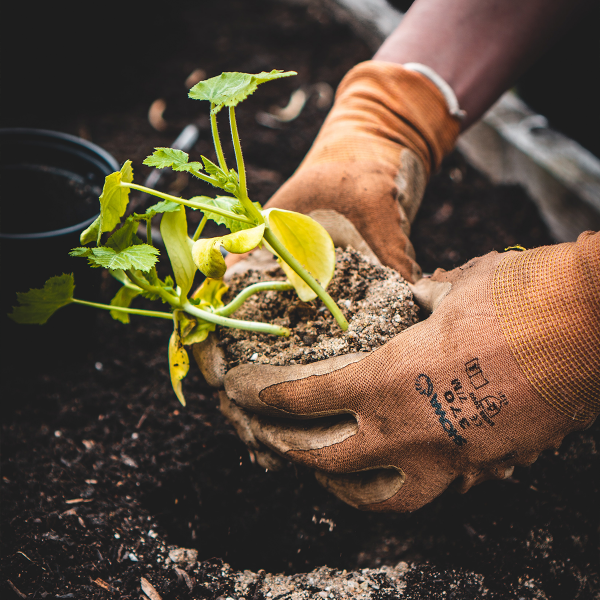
<point>493,405</point>
<point>475,374</point>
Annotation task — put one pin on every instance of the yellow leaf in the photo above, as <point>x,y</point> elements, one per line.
<point>210,293</point>
<point>308,242</point>
<point>179,363</point>
<point>208,258</point>
<point>244,240</point>
<point>173,229</point>
<point>186,324</point>
<point>114,198</point>
<point>199,333</point>
<point>207,254</point>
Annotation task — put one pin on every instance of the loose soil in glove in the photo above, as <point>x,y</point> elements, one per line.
<point>375,300</point>
<point>105,476</point>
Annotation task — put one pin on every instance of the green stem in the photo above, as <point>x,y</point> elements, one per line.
<point>174,301</point>
<point>314,285</point>
<point>149,231</point>
<point>131,311</point>
<point>251,210</point>
<point>196,205</point>
<point>200,228</point>
<point>217,139</point>
<point>234,323</point>
<point>239,158</point>
<point>262,286</point>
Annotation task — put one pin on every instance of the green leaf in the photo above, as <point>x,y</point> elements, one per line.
<point>38,305</point>
<point>308,242</point>
<point>91,233</point>
<point>227,203</point>
<point>173,229</point>
<point>152,278</point>
<point>161,207</point>
<point>114,199</point>
<point>169,157</point>
<point>123,298</point>
<point>212,169</point>
<point>120,275</point>
<point>207,254</point>
<point>80,252</point>
<point>124,236</point>
<point>227,180</point>
<point>179,362</point>
<point>229,89</point>
<point>141,257</point>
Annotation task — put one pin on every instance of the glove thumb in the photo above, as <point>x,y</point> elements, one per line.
<point>429,293</point>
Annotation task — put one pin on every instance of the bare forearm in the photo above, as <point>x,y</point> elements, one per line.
<point>479,47</point>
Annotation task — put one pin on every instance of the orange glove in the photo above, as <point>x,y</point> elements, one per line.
<point>507,364</point>
<point>389,128</point>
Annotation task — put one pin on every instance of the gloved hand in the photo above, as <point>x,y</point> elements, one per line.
<point>363,180</point>
<point>507,364</point>
<point>388,129</point>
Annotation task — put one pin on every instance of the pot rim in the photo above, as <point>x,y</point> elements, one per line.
<point>70,140</point>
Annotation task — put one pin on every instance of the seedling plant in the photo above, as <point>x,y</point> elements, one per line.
<point>303,248</point>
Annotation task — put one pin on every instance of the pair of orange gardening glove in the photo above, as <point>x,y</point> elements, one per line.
<point>507,363</point>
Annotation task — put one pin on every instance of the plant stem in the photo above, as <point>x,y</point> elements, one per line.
<point>262,286</point>
<point>234,323</point>
<point>217,139</point>
<point>174,301</point>
<point>251,210</point>
<point>131,311</point>
<point>239,158</point>
<point>149,231</point>
<point>196,205</point>
<point>200,228</point>
<point>314,285</point>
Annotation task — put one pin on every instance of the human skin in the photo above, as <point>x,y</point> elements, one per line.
<point>479,47</point>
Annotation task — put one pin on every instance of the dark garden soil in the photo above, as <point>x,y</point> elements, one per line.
<point>104,474</point>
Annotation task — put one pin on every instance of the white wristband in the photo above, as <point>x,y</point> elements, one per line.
<point>448,93</point>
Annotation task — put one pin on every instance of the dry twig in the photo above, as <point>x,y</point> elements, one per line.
<point>149,590</point>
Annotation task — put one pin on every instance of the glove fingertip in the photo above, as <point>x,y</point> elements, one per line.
<point>269,460</point>
<point>428,294</point>
<point>364,488</point>
<point>211,360</point>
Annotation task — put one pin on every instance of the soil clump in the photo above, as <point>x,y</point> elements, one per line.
<point>375,300</point>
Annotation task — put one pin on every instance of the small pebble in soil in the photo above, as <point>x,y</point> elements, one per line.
<point>375,300</point>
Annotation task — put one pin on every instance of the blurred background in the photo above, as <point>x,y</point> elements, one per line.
<point>63,60</point>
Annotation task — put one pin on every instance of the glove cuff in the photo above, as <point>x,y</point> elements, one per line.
<point>548,303</point>
<point>442,85</point>
<point>418,114</point>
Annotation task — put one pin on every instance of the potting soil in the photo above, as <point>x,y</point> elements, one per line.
<point>375,300</point>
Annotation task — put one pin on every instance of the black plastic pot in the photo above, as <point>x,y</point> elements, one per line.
<point>49,188</point>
